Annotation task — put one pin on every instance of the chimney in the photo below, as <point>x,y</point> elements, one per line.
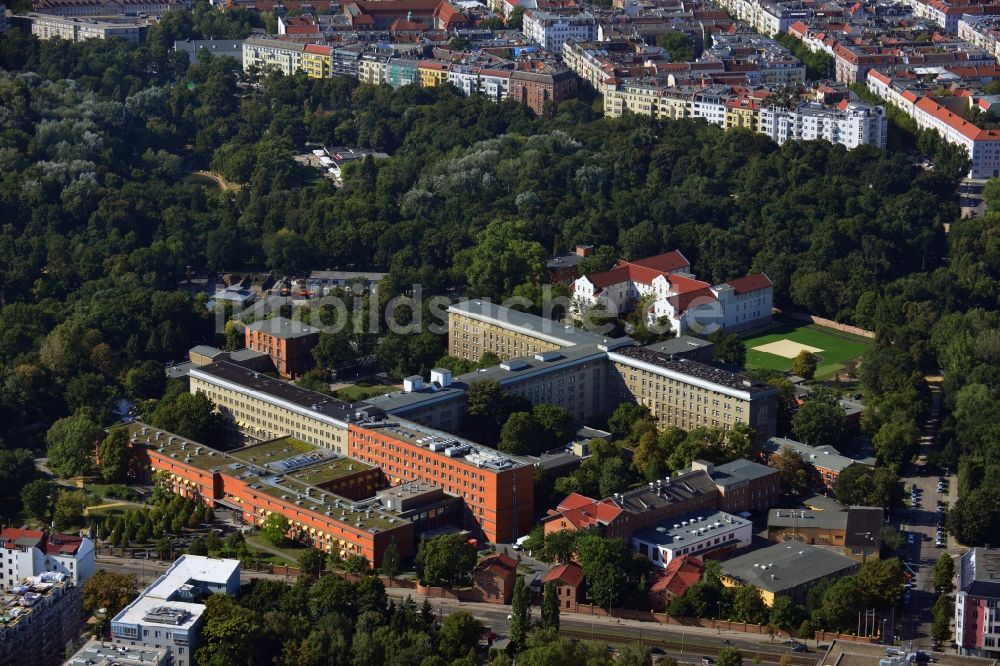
<point>584,250</point>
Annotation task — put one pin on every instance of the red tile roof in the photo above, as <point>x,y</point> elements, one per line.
<point>582,512</point>
<point>680,574</point>
<point>500,564</point>
<point>666,262</point>
<point>12,534</point>
<point>565,574</point>
<point>750,283</point>
<point>55,544</point>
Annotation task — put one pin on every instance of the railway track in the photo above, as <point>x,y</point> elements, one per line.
<point>695,646</point>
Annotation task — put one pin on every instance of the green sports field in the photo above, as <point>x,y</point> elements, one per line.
<point>836,348</point>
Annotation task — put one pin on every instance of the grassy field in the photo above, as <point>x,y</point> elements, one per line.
<point>838,348</point>
<point>358,392</point>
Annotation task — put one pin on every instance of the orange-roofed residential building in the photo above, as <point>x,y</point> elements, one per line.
<point>569,583</point>
<point>25,552</point>
<point>671,293</point>
<point>493,578</point>
<point>674,581</point>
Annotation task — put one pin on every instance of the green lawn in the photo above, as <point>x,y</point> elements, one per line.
<point>357,392</point>
<point>838,348</point>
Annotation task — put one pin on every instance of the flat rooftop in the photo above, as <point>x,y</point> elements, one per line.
<point>256,382</point>
<point>101,653</point>
<point>184,614</point>
<point>190,569</point>
<point>684,344</point>
<point>292,473</point>
<point>785,566</point>
<point>806,519</point>
<point>849,653</point>
<point>739,471</point>
<point>507,373</point>
<point>672,490</point>
<point>447,445</point>
<point>979,572</point>
<point>708,374</point>
<point>280,327</point>
<point>688,529</point>
<point>555,332</point>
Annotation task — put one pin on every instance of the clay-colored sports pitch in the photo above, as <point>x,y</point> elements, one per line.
<point>777,348</point>
<point>786,348</point>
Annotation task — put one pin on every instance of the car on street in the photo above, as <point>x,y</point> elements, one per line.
<point>911,538</point>
<point>707,661</point>
<point>939,543</point>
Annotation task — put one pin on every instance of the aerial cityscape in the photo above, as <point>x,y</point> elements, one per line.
<point>468,332</point>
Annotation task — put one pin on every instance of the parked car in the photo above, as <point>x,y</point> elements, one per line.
<point>707,661</point>
<point>911,538</point>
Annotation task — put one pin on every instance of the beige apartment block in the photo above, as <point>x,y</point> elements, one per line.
<point>259,408</point>
<point>687,394</point>
<point>476,327</point>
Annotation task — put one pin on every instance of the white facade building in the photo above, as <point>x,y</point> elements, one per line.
<point>665,287</point>
<point>693,535</point>
<point>26,553</point>
<point>272,54</point>
<point>856,125</point>
<point>167,614</point>
<point>981,145</point>
<point>550,31</point>
<point>45,26</point>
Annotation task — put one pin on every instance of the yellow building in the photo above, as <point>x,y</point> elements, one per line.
<point>687,394</point>
<point>432,73</point>
<point>742,113</point>
<point>372,69</point>
<point>259,408</point>
<point>647,100</point>
<point>317,61</point>
<point>476,327</point>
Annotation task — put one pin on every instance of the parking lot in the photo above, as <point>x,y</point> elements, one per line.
<point>923,522</point>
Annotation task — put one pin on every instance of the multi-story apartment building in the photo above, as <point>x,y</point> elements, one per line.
<point>981,145</point>
<point>977,603</point>
<point>981,31</point>
<point>272,54</point>
<point>38,619</point>
<point>850,125</point>
<point>540,85</point>
<point>219,48</point>
<point>332,501</point>
<point>476,327</point>
<point>168,614</point>
<point>289,344</point>
<point>497,490</point>
<point>687,394</point>
<point>551,30</point>
<point>257,407</point>
<point>25,553</point>
<point>46,26</point>
<point>317,61</point>
<point>101,653</point>
<point>713,533</point>
<point>856,533</point>
<point>107,7</point>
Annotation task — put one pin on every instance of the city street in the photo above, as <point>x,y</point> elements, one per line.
<point>922,521</point>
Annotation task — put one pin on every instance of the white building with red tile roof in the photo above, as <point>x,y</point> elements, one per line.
<point>670,292</point>
<point>26,553</point>
<point>981,145</point>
